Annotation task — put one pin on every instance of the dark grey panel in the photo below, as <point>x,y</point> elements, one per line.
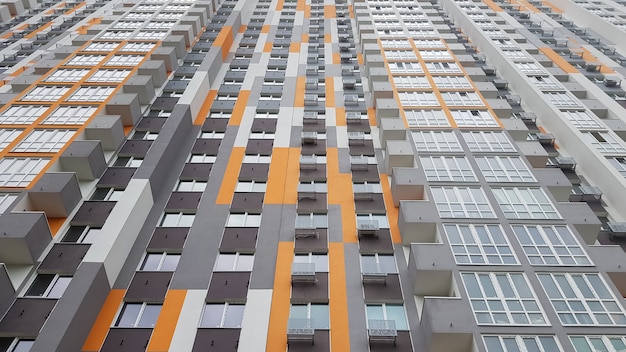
<point>206,146</point>
<point>264,125</point>
<point>314,292</point>
<point>228,287</point>
<point>312,244</point>
<point>402,343</point>
<point>26,316</point>
<point>260,146</point>
<point>198,172</point>
<point>71,321</point>
<point>217,340</point>
<point>369,175</point>
<point>239,239</point>
<point>247,202</point>
<point>319,174</point>
<point>381,243</point>
<point>317,205</point>
<point>366,149</point>
<point>168,238</point>
<point>183,201</point>
<point>374,205</point>
<point>92,213</point>
<point>132,339</point>
<point>388,292</point>
<point>63,258</point>
<point>314,149</point>
<point>318,126</point>
<point>215,125</point>
<point>254,172</point>
<point>164,104</point>
<point>135,148</point>
<point>6,290</point>
<point>116,177</point>
<point>24,237</point>
<point>151,124</point>
<point>148,286</point>
<point>274,223</point>
<point>356,305</point>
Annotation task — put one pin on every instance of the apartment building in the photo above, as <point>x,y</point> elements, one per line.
<point>312,175</point>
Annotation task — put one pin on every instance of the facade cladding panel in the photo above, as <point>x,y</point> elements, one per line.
<point>339,175</point>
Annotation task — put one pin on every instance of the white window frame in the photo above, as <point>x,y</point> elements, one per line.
<point>448,168</point>
<point>436,141</point>
<point>462,99</point>
<point>553,245</point>
<point>529,203</point>
<point>504,169</point>
<point>164,261</point>
<point>20,172</point>
<point>462,202</point>
<point>480,244</point>
<point>605,142</point>
<point>91,94</point>
<point>607,343</point>
<point>310,316</point>
<point>137,322</point>
<point>426,118</point>
<point>401,325</point>
<point>228,312</point>
<point>474,118</point>
<point>67,75</point>
<point>243,220</point>
<point>46,93</point>
<point>523,343</point>
<point>488,142</point>
<point>70,115</point>
<point>22,114</point>
<point>234,262</point>
<point>179,219</point>
<point>56,286</point>
<point>8,135</point>
<point>319,259</point>
<point>191,186</point>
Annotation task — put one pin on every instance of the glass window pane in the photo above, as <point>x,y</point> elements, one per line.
<point>149,316</point>
<point>234,316</point>
<point>320,316</point>
<point>59,287</point>
<point>212,316</point>
<point>129,315</point>
<point>396,313</point>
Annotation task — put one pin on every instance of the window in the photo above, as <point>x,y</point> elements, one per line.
<point>260,159</point>
<point>582,299</point>
<point>504,169</point>
<point>426,118</point>
<point>125,60</point>
<point>435,54</point>
<point>138,315</point>
<point>562,100</point>
<point>141,47</point>
<point>550,245</point>
<point>19,172</point>
<point>519,343</point>
<point>223,315</point>
<point>145,135</point>
<point>211,135</point>
<point>619,164</point>
<point>160,262</point>
<point>443,67</point>
<point>91,93</point>
<point>101,46</point>
<point>462,202</point>
<point>604,343</point>
<point>320,260</point>
<point>7,136</point>
<point>70,115</point>
<point>462,99</point>
<point>22,114</point>
<point>546,83</point>
<point>530,68</point>
<point>447,168</point>
<point>418,99</point>
<point>250,186</point>
<point>46,93</point>
<point>436,141</point>
<point>234,262</point>
<point>394,312</point>
<point>405,67</point>
<point>316,316</point>
<point>474,118</point>
<point>48,286</point>
<point>606,143</point>
<point>525,203</point>
<point>67,75</point>
<point>488,141</point>
<point>21,345</point>
<point>479,244</point>
<point>503,299</point>
<point>128,161</point>
<point>378,263</point>
<point>202,158</point>
<point>85,60</point>
<point>6,200</point>
<point>400,55</point>
<point>191,186</point>
<point>452,82</point>
<point>44,141</point>
<point>411,82</point>
<point>81,234</point>
<point>582,119</point>
<point>115,76</point>
<point>312,221</point>
<point>243,220</point>
<point>177,220</point>
<point>109,194</point>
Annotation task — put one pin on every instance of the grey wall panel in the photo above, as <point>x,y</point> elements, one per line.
<point>72,319</point>
<point>267,247</point>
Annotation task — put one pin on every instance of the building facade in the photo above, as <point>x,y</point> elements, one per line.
<point>312,175</point>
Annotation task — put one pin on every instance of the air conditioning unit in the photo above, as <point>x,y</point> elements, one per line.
<point>344,47</point>
<point>371,273</point>
<point>303,272</point>
<point>513,100</point>
<point>347,71</point>
<point>359,163</point>
<point>343,37</point>
<point>545,138</point>
<point>592,67</point>
<point>367,227</point>
<point>351,99</point>
<point>489,70</point>
<point>311,70</point>
<point>501,83</point>
<point>616,229</point>
<point>311,83</point>
<point>308,162</point>
<point>300,330</point>
<point>311,100</point>
<point>346,58</point>
<point>312,58</point>
<point>353,117</point>
<point>313,47</point>
<point>612,82</point>
<point>349,83</point>
<point>382,331</point>
<point>565,162</point>
<point>527,116</point>
<point>306,191</point>
<point>309,137</point>
<point>310,117</point>
<point>363,191</point>
<point>305,228</point>
<point>585,194</point>
<point>356,138</point>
